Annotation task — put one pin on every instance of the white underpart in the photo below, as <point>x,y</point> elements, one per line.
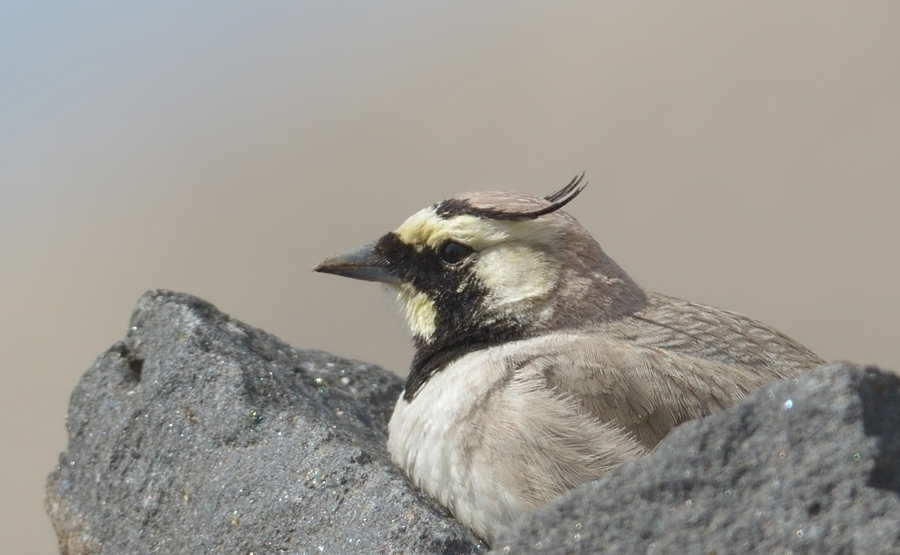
<point>450,438</point>
<point>426,441</point>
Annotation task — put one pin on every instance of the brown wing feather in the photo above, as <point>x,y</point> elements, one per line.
<point>672,362</point>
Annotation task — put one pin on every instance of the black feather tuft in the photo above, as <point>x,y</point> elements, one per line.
<point>558,199</point>
<point>569,192</point>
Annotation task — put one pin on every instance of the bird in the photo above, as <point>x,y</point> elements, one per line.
<point>539,363</point>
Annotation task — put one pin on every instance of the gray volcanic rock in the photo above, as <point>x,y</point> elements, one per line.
<point>199,434</point>
<point>810,465</point>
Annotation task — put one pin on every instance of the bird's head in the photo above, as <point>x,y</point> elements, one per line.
<point>485,268</point>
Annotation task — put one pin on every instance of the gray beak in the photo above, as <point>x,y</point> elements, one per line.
<point>363,263</point>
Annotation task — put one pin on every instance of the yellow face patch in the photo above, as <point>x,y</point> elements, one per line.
<point>419,310</point>
<point>417,229</point>
<point>426,228</point>
<point>517,274</point>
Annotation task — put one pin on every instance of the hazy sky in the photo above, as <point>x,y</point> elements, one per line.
<point>81,81</point>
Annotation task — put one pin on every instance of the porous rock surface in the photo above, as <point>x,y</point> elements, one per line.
<point>199,434</point>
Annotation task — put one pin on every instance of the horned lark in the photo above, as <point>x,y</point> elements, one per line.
<point>539,363</point>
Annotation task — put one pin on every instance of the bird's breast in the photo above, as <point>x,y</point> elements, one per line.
<point>436,440</point>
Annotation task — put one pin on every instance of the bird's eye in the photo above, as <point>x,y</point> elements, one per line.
<point>453,253</point>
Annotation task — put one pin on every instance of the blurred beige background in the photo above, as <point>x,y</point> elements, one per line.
<point>741,154</point>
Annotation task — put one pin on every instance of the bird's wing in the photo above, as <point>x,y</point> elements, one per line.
<point>672,364</point>
<point>714,334</point>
